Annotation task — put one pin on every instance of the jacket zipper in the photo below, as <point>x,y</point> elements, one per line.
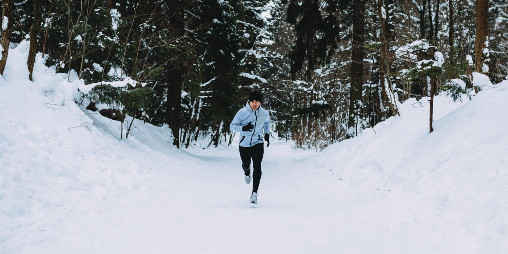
<point>256,123</point>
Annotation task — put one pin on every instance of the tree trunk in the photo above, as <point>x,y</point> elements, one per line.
<point>358,54</point>
<point>390,20</point>
<point>6,32</point>
<point>84,9</point>
<point>421,10</point>
<point>46,30</point>
<point>430,35</point>
<point>174,97</point>
<point>69,40</point>
<point>451,32</point>
<point>482,31</point>
<point>110,4</point>
<point>34,32</point>
<point>176,72</point>
<point>388,96</point>
<point>432,93</point>
<point>127,41</point>
<point>436,20</point>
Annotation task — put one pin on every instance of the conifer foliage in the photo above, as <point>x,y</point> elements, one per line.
<point>221,64</point>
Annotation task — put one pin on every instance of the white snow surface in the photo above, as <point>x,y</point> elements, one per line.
<point>69,185</point>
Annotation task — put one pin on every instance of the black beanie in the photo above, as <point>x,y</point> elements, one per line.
<point>256,95</point>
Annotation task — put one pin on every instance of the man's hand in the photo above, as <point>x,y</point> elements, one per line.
<point>248,127</point>
<point>267,139</point>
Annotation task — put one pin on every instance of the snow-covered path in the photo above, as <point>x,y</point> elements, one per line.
<point>200,205</point>
<point>193,209</point>
<point>197,203</point>
<point>207,211</point>
<point>122,197</point>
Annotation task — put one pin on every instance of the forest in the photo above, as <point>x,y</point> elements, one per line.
<point>328,69</point>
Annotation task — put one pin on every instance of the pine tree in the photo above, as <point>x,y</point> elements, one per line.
<point>314,70</point>
<point>315,34</point>
<point>251,27</point>
<point>221,65</point>
<point>357,70</point>
<point>276,68</point>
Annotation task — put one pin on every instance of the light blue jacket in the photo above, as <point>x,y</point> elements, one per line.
<point>260,119</point>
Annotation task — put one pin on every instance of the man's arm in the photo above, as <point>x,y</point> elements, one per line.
<point>266,124</point>
<point>236,124</point>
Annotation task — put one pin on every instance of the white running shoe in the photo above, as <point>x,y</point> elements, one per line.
<point>254,198</point>
<point>246,171</point>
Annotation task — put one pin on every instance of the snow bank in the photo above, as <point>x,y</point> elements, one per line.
<point>447,189</point>
<point>60,166</point>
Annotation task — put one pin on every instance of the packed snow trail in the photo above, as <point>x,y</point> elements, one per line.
<point>200,205</point>
<point>205,209</point>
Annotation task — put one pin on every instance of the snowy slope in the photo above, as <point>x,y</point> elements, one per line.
<point>69,185</point>
<point>447,189</point>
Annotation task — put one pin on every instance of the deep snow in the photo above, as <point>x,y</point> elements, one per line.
<point>69,185</point>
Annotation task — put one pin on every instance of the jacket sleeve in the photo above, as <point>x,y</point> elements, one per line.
<point>236,124</point>
<point>266,124</point>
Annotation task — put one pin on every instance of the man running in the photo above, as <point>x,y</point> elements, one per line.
<point>252,121</point>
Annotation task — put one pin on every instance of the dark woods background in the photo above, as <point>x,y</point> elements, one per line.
<point>328,68</point>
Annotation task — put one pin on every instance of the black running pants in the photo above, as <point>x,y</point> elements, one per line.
<point>254,153</point>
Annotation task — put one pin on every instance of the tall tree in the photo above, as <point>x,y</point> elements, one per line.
<point>175,69</point>
<point>482,32</point>
<point>34,32</point>
<point>385,14</point>
<point>252,27</point>
<point>357,56</point>
<point>498,31</point>
<point>316,34</point>
<point>437,17</point>
<point>421,5</point>
<point>277,68</point>
<point>6,32</point>
<point>451,31</point>
<point>221,56</point>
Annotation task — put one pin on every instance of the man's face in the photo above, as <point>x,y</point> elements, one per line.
<point>254,105</point>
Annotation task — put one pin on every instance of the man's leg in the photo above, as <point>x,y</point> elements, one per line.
<point>245,155</point>
<point>257,157</point>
